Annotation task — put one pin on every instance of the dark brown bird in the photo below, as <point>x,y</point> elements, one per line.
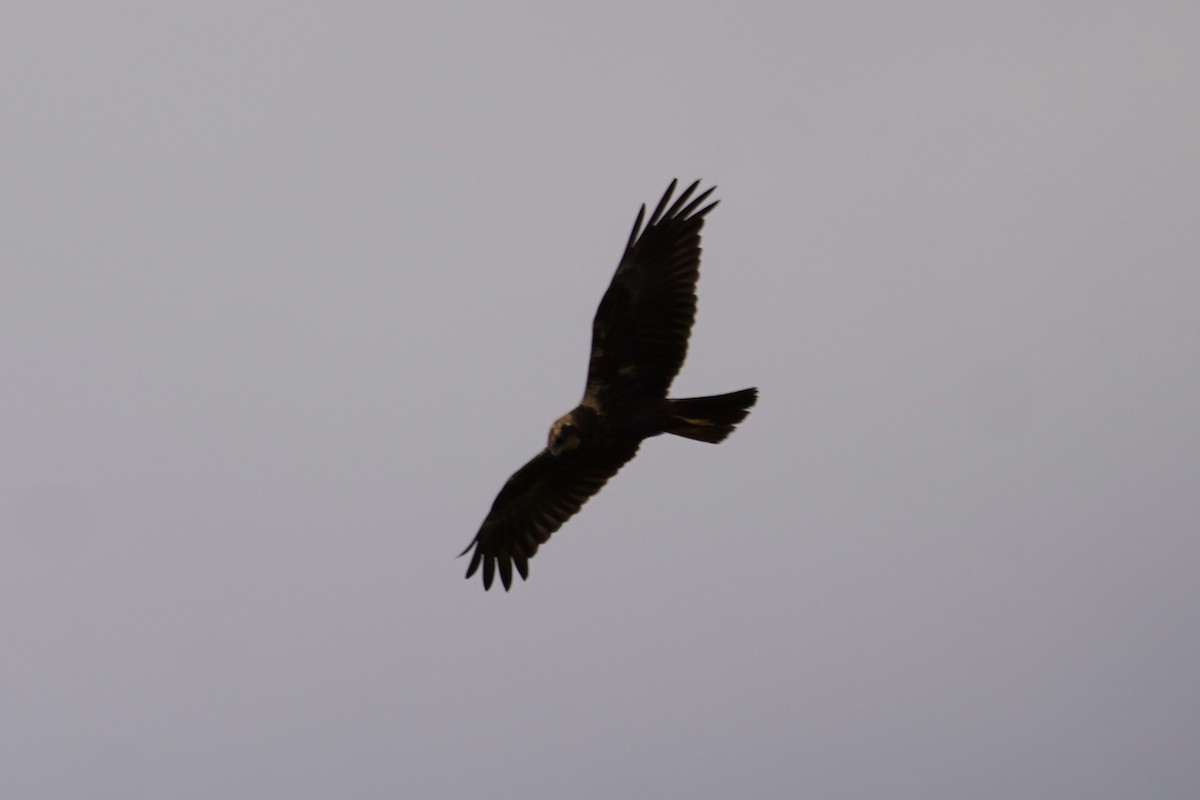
<point>639,340</point>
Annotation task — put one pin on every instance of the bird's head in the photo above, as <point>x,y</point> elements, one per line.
<point>564,435</point>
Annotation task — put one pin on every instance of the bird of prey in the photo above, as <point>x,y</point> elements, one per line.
<point>639,340</point>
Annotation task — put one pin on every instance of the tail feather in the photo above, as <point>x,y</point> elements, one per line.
<point>710,419</point>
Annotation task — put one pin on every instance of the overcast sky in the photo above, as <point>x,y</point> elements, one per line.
<point>287,291</point>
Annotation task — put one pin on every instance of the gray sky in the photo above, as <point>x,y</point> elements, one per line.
<point>289,290</point>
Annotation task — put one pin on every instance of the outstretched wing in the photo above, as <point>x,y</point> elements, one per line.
<point>640,332</point>
<point>535,502</point>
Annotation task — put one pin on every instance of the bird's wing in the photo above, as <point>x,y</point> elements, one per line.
<point>640,332</point>
<point>535,502</point>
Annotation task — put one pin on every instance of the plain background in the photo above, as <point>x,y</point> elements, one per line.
<point>289,289</point>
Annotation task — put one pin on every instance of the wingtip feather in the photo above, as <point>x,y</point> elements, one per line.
<point>637,227</point>
<point>662,204</point>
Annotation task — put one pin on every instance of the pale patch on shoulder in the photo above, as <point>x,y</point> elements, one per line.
<point>564,434</point>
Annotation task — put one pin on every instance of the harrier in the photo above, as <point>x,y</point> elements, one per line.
<point>639,340</point>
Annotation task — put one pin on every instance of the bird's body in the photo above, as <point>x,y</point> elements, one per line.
<point>639,341</point>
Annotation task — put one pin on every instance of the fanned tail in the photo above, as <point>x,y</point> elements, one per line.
<point>710,419</point>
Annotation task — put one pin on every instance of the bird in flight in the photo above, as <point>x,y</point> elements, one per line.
<point>639,340</point>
